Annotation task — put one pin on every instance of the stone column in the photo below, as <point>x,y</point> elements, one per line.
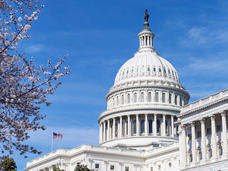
<point>125,127</point>
<point>50,168</point>
<point>108,130</point>
<point>163,126</point>
<point>172,125</point>
<point>155,125</point>
<point>137,125</point>
<point>105,132</point>
<point>213,138</point>
<point>114,129</point>
<point>121,126</point>
<point>203,140</point>
<point>224,136</point>
<point>183,146</point>
<point>129,125</point>
<point>146,125</point>
<point>167,95</point>
<point>160,95</point>
<point>100,133</point>
<point>193,143</point>
<point>173,98</point>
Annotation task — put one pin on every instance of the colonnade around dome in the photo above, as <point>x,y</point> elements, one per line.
<point>138,125</point>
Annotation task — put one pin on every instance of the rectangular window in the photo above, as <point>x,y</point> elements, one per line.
<point>208,131</point>
<point>127,169</point>
<point>198,134</point>
<point>219,128</point>
<point>96,166</point>
<point>112,167</point>
<point>122,99</point>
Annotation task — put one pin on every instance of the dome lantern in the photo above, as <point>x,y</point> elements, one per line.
<point>146,36</point>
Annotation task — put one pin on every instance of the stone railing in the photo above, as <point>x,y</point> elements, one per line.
<point>206,100</point>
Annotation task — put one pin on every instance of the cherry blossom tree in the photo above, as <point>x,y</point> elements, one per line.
<point>24,85</point>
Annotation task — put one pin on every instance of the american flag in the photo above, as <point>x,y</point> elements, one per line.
<point>56,135</point>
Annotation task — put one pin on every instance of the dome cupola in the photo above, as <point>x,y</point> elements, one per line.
<point>146,36</point>
<point>144,101</point>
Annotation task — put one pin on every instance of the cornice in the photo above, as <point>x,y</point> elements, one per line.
<point>140,107</point>
<point>200,105</point>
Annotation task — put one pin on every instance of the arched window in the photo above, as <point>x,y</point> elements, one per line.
<point>149,97</point>
<point>128,98</point>
<point>170,98</point>
<point>156,97</point>
<point>135,97</point>
<point>117,100</point>
<point>163,97</point>
<point>122,99</point>
<point>142,97</point>
<point>113,102</point>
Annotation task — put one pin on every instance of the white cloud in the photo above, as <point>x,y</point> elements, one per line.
<point>34,48</point>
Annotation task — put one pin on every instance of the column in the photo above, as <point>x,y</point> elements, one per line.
<point>163,126</point>
<point>160,95</point>
<point>172,125</point>
<point>129,125</point>
<point>193,143</point>
<point>121,127</point>
<point>167,95</point>
<point>100,133</point>
<point>203,141</point>
<point>114,129</point>
<point>173,98</point>
<point>155,125</point>
<point>50,168</point>
<point>224,135</point>
<point>105,132</point>
<point>213,138</point>
<point>125,127</point>
<point>108,130</point>
<point>182,142</point>
<point>146,125</point>
<point>137,125</point>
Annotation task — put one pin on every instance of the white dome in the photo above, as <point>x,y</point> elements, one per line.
<point>147,65</point>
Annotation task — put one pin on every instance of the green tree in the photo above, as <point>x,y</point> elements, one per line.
<point>81,167</point>
<point>58,169</point>
<point>8,164</point>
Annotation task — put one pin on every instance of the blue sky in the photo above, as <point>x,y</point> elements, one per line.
<point>101,35</point>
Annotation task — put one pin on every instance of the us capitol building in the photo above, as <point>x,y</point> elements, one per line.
<point>149,125</point>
